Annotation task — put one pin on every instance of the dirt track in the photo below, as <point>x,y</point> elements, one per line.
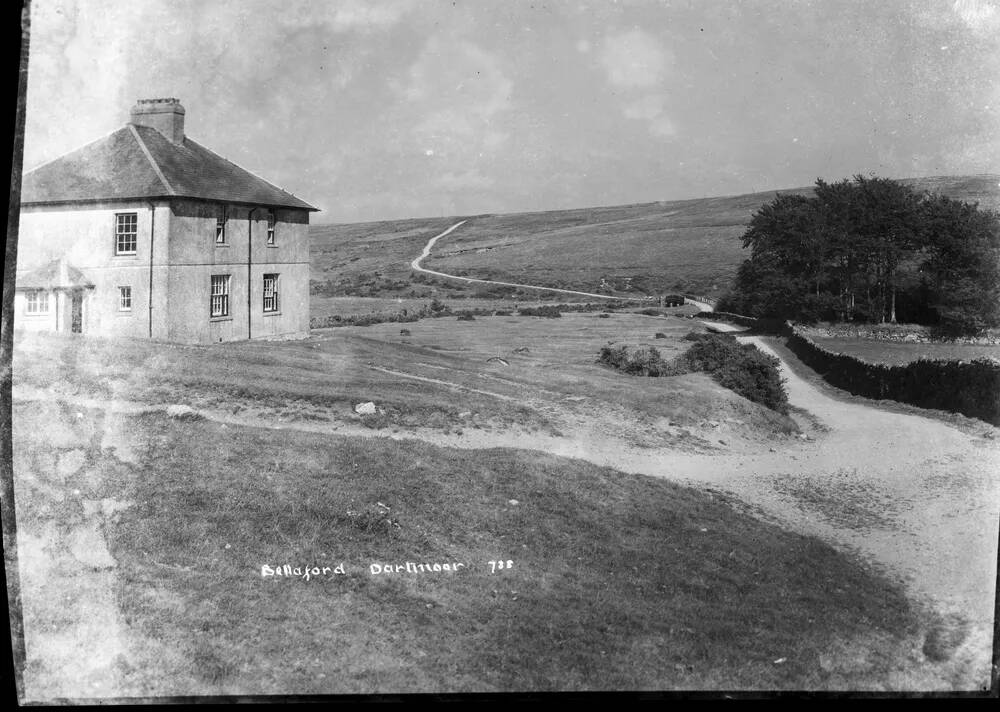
<point>415,264</point>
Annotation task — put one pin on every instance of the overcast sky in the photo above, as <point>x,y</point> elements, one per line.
<point>382,109</point>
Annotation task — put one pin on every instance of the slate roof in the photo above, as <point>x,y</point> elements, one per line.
<point>140,162</point>
<point>55,274</point>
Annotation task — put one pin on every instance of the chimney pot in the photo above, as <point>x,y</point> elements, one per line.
<point>164,115</point>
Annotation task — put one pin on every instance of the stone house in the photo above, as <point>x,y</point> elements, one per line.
<point>146,233</point>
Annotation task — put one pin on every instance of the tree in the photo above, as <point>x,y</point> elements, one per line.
<point>871,249</point>
<point>962,259</point>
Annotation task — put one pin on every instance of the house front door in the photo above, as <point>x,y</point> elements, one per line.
<point>76,313</point>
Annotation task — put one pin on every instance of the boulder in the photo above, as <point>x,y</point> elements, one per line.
<point>365,408</point>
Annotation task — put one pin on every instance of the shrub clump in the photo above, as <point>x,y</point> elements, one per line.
<point>548,311</point>
<point>374,519</point>
<point>643,361</point>
<point>742,368</point>
<point>660,335</point>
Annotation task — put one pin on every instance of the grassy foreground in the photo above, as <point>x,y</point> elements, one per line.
<point>618,581</point>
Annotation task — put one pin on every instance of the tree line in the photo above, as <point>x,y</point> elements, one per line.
<point>870,249</point>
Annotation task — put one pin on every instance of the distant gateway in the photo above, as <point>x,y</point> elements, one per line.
<point>146,233</point>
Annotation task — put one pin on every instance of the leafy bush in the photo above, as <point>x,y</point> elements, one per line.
<point>742,368</point>
<point>643,361</point>
<point>374,519</point>
<point>660,335</point>
<point>361,319</point>
<point>548,311</point>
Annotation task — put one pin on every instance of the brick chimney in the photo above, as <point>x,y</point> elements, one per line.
<point>164,115</point>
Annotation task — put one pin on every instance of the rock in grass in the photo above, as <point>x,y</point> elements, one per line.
<point>69,462</point>
<point>183,412</point>
<point>944,638</point>
<point>87,546</point>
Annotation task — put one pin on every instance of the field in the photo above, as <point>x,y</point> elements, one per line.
<point>689,246</point>
<point>154,482</point>
<point>346,307</point>
<point>895,353</point>
<point>493,373</point>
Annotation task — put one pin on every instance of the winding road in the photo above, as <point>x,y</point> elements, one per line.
<point>415,264</point>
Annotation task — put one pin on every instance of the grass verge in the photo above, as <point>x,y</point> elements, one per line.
<point>617,581</point>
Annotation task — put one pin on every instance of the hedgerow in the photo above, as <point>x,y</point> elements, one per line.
<point>968,387</point>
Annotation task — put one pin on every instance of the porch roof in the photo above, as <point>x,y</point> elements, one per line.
<point>57,274</point>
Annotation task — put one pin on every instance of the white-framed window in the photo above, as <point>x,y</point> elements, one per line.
<point>271,222</point>
<point>220,295</point>
<point>126,233</point>
<point>221,213</point>
<point>270,293</point>
<point>36,302</point>
<point>125,298</point>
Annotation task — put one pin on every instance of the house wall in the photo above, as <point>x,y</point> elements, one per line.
<point>34,322</point>
<point>59,316</point>
<point>85,235</point>
<point>185,256</point>
<point>195,257</point>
